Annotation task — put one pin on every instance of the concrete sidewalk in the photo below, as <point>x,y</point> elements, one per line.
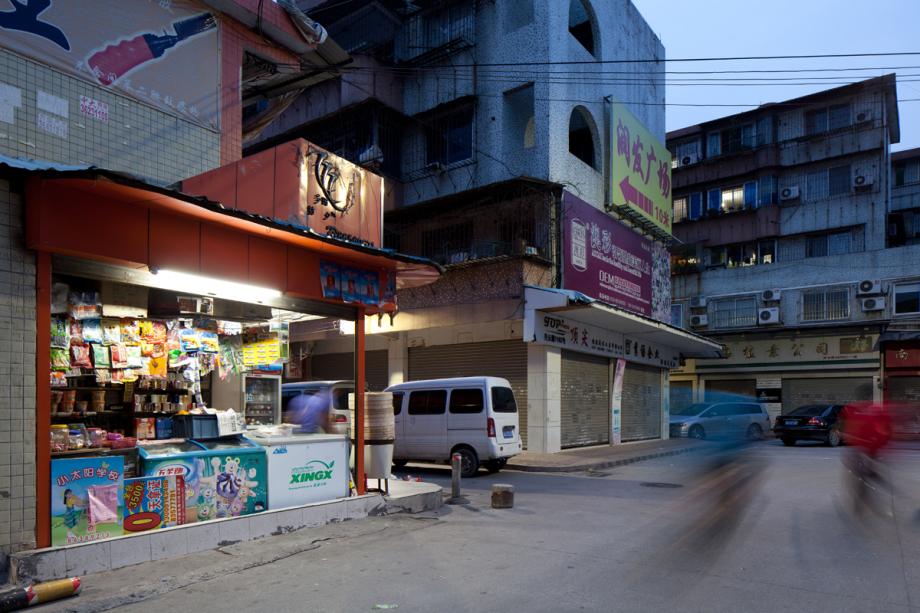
<point>606,456</point>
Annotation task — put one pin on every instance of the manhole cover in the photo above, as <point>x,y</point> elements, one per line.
<point>659,484</point>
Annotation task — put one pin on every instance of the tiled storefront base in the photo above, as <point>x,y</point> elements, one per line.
<point>77,560</point>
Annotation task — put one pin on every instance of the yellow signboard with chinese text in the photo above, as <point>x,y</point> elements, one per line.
<point>640,170</point>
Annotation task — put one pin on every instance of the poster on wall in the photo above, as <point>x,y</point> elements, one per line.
<point>604,259</point>
<point>87,499</point>
<point>163,53</point>
<point>350,284</point>
<point>640,169</point>
<point>154,502</point>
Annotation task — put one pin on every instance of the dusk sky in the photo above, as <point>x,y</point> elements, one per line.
<point>722,28</point>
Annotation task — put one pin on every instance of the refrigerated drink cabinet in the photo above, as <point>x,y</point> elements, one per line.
<point>258,397</point>
<point>262,399</point>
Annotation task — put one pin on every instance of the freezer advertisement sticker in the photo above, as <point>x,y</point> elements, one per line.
<point>87,497</point>
<point>154,502</point>
<point>314,473</point>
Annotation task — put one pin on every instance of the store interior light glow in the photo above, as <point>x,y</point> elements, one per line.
<point>207,286</point>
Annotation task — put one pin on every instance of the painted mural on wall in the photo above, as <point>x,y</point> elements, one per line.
<point>162,52</point>
<point>606,260</point>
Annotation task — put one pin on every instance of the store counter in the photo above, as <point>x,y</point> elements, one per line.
<point>304,468</point>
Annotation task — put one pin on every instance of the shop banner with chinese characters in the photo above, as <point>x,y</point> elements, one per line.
<point>640,169</point>
<point>87,499</point>
<point>552,329</point>
<point>163,53</point>
<point>154,502</point>
<point>604,259</point>
<point>843,352</point>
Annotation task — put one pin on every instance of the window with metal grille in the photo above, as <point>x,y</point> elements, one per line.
<point>449,137</point>
<point>825,119</point>
<point>826,304</point>
<point>816,185</point>
<point>906,173</point>
<point>734,312</point>
<point>733,198</point>
<point>680,209</point>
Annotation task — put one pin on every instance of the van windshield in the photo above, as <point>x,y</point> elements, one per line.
<point>503,400</point>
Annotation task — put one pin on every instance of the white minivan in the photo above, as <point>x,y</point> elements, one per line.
<point>476,417</point>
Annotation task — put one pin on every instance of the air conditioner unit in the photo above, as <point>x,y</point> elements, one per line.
<point>868,287</point>
<point>698,321</point>
<point>863,180</point>
<point>769,315</point>
<point>873,304</point>
<point>789,193</point>
<point>698,302</point>
<point>863,116</point>
<point>689,159</point>
<point>770,295</point>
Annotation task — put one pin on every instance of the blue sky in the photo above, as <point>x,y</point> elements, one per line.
<point>720,28</point>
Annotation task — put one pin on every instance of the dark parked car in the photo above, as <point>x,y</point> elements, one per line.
<point>817,422</point>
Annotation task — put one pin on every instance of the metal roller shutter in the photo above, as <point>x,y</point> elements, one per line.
<point>505,359</point>
<point>585,394</point>
<point>681,394</point>
<point>904,394</point>
<point>641,408</point>
<point>331,366</point>
<point>800,392</point>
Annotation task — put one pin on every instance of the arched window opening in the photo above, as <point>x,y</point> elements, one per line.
<point>582,136</point>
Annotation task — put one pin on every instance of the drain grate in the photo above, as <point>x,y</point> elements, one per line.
<point>660,484</point>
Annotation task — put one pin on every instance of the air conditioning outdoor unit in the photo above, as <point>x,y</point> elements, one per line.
<point>770,295</point>
<point>873,304</point>
<point>689,159</point>
<point>868,287</point>
<point>863,116</point>
<point>789,193</point>
<point>769,315</point>
<point>863,180</point>
<point>698,302</point>
<point>698,321</point>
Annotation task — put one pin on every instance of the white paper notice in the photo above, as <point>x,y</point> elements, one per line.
<point>10,100</point>
<point>52,104</point>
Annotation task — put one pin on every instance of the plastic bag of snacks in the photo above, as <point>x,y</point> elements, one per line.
<point>130,331</point>
<point>119,356</point>
<point>101,358</point>
<point>188,339</point>
<point>92,330</point>
<point>84,305</point>
<point>209,342</point>
<point>75,329</point>
<point>80,356</point>
<point>111,331</point>
<point>60,360</point>
<point>103,375</point>
<point>60,336</point>
<point>134,356</point>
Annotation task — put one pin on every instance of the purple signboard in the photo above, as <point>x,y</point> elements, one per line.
<point>604,259</point>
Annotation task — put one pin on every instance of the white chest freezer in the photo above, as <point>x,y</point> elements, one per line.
<point>305,468</point>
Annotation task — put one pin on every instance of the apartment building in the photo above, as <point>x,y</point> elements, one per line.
<point>493,130</point>
<point>795,254</point>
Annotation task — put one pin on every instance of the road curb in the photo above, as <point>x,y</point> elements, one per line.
<point>601,464</point>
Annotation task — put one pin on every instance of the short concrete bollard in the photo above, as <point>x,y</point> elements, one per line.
<point>502,496</point>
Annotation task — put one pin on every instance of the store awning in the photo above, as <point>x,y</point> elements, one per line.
<point>581,308</point>
<point>898,332</point>
<point>89,212</point>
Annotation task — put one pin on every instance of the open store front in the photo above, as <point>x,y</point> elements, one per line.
<point>153,304</point>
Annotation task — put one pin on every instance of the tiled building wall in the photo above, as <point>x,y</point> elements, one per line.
<point>17,373</point>
<point>131,137</point>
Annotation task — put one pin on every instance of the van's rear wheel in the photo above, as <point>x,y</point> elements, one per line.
<point>400,463</point>
<point>469,461</point>
<point>493,466</point>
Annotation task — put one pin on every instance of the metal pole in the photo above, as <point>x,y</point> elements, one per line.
<point>358,426</point>
<point>455,476</point>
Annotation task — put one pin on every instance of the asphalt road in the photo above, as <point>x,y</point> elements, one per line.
<point>644,537</point>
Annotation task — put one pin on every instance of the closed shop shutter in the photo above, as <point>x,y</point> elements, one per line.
<point>505,359</point>
<point>641,407</point>
<point>801,392</point>
<point>585,394</point>
<point>733,387</point>
<point>332,366</point>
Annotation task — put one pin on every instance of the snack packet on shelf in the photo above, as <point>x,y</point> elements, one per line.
<point>101,357</point>
<point>111,331</point>
<point>134,356</point>
<point>92,330</point>
<point>60,336</point>
<point>130,332</point>
<point>119,355</point>
<point>80,356</point>
<point>60,359</point>
<point>85,305</point>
